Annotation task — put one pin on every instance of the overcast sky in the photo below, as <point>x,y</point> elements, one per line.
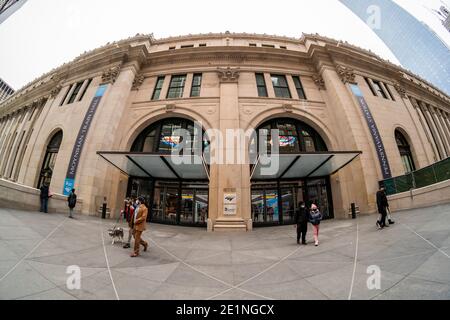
<point>44,34</point>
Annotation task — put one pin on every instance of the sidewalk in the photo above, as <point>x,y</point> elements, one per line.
<point>189,263</point>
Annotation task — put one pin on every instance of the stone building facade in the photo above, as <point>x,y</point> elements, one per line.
<point>101,122</point>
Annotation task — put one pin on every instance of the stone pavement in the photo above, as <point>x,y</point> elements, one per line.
<point>189,263</point>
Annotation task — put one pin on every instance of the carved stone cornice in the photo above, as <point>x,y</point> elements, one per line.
<point>320,83</point>
<point>138,80</point>
<point>55,91</point>
<point>110,75</point>
<point>346,74</point>
<point>401,90</point>
<point>228,75</point>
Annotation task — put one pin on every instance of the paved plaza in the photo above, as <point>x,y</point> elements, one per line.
<point>188,263</point>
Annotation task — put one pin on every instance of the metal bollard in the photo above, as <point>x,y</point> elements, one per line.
<point>353,211</point>
<point>104,209</point>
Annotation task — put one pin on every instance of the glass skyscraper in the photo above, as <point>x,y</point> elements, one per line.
<point>414,44</point>
<point>8,7</point>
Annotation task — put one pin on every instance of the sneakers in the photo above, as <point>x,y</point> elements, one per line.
<point>317,243</point>
<point>391,221</point>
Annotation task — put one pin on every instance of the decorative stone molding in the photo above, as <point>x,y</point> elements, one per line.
<point>346,74</point>
<point>110,75</point>
<point>170,108</point>
<point>138,80</point>
<point>288,108</point>
<point>401,90</point>
<point>228,75</point>
<point>55,91</point>
<point>320,83</point>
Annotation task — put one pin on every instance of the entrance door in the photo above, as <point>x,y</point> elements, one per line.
<point>317,193</point>
<point>288,202</point>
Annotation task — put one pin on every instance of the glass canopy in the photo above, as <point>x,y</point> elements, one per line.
<point>158,166</point>
<point>301,165</point>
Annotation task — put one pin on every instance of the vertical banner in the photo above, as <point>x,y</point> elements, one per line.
<point>81,138</point>
<point>382,158</point>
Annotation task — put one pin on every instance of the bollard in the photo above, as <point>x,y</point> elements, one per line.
<point>353,211</point>
<point>104,209</point>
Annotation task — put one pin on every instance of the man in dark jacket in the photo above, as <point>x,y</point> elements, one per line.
<point>72,202</point>
<point>44,197</point>
<point>382,204</point>
<point>301,220</point>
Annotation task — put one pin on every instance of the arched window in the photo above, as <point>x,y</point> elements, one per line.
<point>51,154</point>
<point>405,152</point>
<point>295,136</point>
<point>161,137</point>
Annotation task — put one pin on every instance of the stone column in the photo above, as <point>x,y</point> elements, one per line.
<point>439,129</point>
<point>426,129</point>
<point>232,178</point>
<point>433,129</point>
<point>95,176</point>
<point>445,129</point>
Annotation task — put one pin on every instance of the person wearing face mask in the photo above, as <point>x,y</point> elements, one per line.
<point>301,221</point>
<point>140,218</point>
<point>315,216</point>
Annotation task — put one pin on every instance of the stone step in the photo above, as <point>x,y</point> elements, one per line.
<point>230,227</point>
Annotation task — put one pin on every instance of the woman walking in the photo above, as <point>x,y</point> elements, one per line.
<point>315,216</point>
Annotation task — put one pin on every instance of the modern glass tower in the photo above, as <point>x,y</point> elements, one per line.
<point>415,45</point>
<point>8,7</point>
<point>5,90</point>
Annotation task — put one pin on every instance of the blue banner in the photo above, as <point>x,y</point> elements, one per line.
<point>81,138</point>
<point>381,152</point>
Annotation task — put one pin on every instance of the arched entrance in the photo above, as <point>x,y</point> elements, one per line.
<point>405,152</point>
<point>176,193</point>
<point>48,165</point>
<point>305,165</point>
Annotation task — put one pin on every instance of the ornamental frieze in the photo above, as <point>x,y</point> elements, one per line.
<point>320,83</point>
<point>228,75</point>
<point>138,80</point>
<point>55,91</point>
<point>110,75</point>
<point>346,74</point>
<point>401,90</point>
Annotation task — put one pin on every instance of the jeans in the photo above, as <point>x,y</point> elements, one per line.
<point>44,205</point>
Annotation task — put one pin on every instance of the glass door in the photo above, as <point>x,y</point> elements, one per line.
<point>258,206</point>
<point>317,194</point>
<point>272,212</point>
<point>201,206</point>
<point>187,206</point>
<point>289,204</point>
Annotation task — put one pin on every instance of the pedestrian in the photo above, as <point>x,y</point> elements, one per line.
<point>45,194</point>
<point>382,205</point>
<point>72,202</point>
<point>128,213</point>
<point>140,219</point>
<point>301,220</point>
<point>315,216</point>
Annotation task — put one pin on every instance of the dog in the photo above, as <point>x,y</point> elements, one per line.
<point>116,233</point>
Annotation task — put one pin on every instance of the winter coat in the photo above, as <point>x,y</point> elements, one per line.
<point>301,215</point>
<point>315,216</point>
<point>72,200</point>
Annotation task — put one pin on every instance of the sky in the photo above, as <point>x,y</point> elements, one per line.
<point>44,34</point>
